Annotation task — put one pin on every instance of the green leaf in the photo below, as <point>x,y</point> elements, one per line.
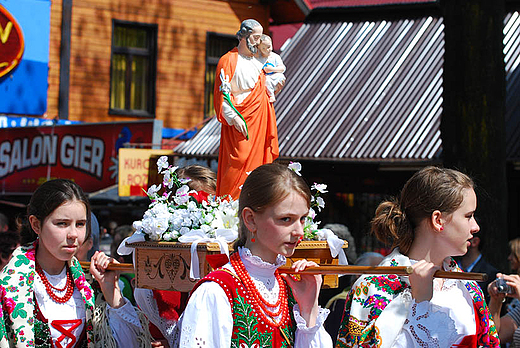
<point>18,311</point>
<point>22,260</point>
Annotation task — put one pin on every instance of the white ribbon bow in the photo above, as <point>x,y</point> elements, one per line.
<point>222,237</point>
<point>123,249</point>
<point>335,245</point>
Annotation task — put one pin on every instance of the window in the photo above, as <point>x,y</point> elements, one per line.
<point>132,78</point>
<point>216,46</point>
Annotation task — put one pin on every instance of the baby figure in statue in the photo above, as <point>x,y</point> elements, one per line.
<point>273,67</point>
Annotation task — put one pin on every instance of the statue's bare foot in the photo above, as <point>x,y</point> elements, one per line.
<point>272,99</point>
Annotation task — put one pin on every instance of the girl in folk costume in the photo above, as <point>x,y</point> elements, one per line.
<point>247,303</point>
<point>46,300</point>
<point>432,221</point>
<point>163,307</point>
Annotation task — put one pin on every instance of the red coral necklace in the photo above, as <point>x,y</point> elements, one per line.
<point>257,300</point>
<point>69,286</point>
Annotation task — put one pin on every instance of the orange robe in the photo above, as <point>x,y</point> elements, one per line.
<point>237,155</point>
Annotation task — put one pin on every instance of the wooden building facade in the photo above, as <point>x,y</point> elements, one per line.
<point>123,60</point>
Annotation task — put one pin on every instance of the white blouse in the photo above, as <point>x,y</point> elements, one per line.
<point>208,321</point>
<point>441,322</point>
<point>123,321</point>
<point>446,319</point>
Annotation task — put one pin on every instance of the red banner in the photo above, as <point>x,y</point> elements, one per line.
<point>85,153</point>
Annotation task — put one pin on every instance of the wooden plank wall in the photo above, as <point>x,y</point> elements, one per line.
<point>182,28</point>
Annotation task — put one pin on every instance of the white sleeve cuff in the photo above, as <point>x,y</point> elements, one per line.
<point>228,113</point>
<point>301,324</point>
<point>124,313</point>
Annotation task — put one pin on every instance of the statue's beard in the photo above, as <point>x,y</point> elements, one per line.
<point>251,48</point>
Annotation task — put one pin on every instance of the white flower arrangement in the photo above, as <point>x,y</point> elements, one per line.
<point>171,216</point>
<point>181,217</point>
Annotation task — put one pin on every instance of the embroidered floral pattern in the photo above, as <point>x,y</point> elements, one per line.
<point>371,295</point>
<point>246,323</point>
<point>17,323</point>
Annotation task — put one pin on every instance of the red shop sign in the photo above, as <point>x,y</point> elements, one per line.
<point>86,153</point>
<point>11,42</point>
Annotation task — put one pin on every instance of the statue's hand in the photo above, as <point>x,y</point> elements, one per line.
<point>225,86</point>
<point>279,87</point>
<point>240,125</point>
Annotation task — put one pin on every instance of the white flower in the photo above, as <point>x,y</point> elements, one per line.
<point>168,179</point>
<point>181,196</point>
<point>295,167</point>
<point>162,163</point>
<point>192,206</point>
<point>312,213</point>
<point>205,228</point>
<point>138,226</point>
<point>184,180</point>
<point>320,202</point>
<point>152,190</point>
<point>208,218</point>
<point>223,220</point>
<point>321,188</point>
<point>176,222</point>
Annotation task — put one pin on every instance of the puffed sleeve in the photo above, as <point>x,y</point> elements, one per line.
<point>125,325</point>
<point>311,337</point>
<point>207,320</point>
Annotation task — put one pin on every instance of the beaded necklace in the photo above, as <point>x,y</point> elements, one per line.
<point>69,286</point>
<point>259,303</point>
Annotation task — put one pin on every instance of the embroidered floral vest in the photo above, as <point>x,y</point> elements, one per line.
<point>18,325</point>
<point>371,294</point>
<point>248,329</point>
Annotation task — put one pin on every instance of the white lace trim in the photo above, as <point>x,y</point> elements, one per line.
<point>148,305</point>
<point>301,324</point>
<point>421,319</point>
<point>252,260</point>
<point>126,313</point>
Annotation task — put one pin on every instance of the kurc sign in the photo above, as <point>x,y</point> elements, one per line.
<point>11,42</point>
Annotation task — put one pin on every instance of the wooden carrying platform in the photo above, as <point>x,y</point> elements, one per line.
<point>166,265</point>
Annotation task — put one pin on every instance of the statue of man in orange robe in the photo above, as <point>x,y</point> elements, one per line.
<point>243,145</point>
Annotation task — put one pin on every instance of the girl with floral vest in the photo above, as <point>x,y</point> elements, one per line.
<point>45,298</point>
<point>247,303</point>
<point>432,221</point>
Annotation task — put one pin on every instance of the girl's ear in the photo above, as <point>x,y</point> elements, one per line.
<point>248,217</point>
<point>437,221</point>
<point>35,224</point>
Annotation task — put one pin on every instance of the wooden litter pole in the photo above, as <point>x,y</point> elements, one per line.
<point>336,269</point>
